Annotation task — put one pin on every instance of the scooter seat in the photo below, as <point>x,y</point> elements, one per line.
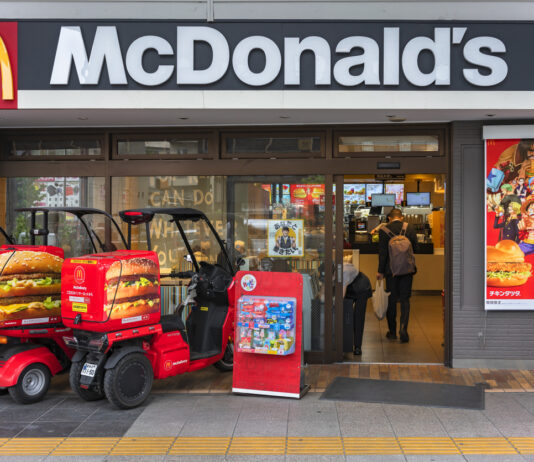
<point>171,323</point>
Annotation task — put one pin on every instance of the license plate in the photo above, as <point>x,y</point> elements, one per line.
<point>89,370</point>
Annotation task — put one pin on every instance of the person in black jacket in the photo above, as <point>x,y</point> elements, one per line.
<point>400,287</point>
<point>358,290</point>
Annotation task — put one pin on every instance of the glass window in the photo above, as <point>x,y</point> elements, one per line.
<point>271,145</point>
<point>65,230</point>
<point>272,223</point>
<point>278,224</point>
<point>388,144</point>
<point>163,146</point>
<point>51,147</point>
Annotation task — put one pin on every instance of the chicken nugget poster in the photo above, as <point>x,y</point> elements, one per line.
<point>285,238</point>
<point>509,204</point>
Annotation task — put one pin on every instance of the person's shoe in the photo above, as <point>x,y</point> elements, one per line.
<point>391,336</point>
<point>404,337</point>
<point>357,352</point>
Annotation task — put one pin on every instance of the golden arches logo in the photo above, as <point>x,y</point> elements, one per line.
<point>79,275</point>
<point>6,73</point>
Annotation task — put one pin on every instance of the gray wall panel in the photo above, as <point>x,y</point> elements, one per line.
<point>480,338</point>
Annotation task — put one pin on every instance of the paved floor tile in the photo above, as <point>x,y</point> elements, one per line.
<point>100,428</point>
<point>434,458</point>
<point>39,429</point>
<point>466,423</point>
<point>10,429</point>
<point>488,458</point>
<point>363,419</point>
<point>203,458</point>
<point>75,459</point>
<point>414,421</point>
<point>376,458</point>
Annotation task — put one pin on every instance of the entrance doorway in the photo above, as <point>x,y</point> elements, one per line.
<point>367,200</point>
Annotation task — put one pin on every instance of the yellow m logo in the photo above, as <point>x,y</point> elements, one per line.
<point>6,73</point>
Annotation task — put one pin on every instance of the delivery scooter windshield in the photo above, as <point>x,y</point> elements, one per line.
<point>191,243</point>
<point>77,230</point>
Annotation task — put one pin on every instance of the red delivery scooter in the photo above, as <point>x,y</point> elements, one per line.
<point>31,332</point>
<point>111,301</point>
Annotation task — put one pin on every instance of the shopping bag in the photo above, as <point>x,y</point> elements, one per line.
<point>380,300</point>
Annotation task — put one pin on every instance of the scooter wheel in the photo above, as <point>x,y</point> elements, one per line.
<point>227,362</point>
<point>3,391</point>
<point>128,384</point>
<point>93,394</point>
<point>32,384</point>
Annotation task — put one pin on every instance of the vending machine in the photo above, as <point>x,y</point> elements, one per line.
<point>268,354</point>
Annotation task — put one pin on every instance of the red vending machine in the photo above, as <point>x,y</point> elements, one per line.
<point>268,353</point>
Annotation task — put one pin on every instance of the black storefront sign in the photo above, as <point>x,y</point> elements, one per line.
<point>172,55</point>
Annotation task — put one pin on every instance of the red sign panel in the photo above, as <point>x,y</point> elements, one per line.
<point>509,224</point>
<point>268,353</point>
<point>8,65</point>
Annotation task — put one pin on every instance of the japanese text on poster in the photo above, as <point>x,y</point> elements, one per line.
<point>285,238</point>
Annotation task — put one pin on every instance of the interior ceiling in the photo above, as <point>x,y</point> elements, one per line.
<point>26,118</point>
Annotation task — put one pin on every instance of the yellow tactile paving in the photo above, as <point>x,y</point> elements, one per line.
<point>369,446</point>
<point>85,446</point>
<point>257,445</point>
<point>434,446</point>
<point>310,445</point>
<point>29,446</point>
<point>200,445</point>
<point>264,445</point>
<point>487,446</point>
<point>143,445</point>
<point>524,445</point>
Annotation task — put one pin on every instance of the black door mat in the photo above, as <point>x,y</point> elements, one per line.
<point>401,392</point>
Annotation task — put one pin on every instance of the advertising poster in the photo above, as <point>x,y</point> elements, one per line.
<point>285,238</point>
<point>509,206</point>
<point>398,190</point>
<point>354,194</point>
<point>373,188</point>
<point>302,194</point>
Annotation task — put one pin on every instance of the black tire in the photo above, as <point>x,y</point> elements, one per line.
<point>227,362</point>
<point>96,392</point>
<point>129,383</point>
<point>3,391</point>
<point>32,385</point>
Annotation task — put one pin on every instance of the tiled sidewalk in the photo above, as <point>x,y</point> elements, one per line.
<point>227,427</point>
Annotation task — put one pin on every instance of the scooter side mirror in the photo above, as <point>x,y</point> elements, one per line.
<point>240,262</point>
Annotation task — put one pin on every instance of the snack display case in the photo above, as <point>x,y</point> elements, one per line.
<point>266,325</point>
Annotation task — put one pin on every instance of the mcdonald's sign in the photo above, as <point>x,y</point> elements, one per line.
<point>8,65</point>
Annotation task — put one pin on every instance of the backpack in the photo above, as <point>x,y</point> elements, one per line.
<point>401,259</point>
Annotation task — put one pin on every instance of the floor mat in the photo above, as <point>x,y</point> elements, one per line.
<point>401,392</point>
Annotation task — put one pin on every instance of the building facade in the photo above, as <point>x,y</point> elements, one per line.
<point>265,114</point>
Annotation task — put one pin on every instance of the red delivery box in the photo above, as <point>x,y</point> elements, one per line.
<point>111,291</point>
<point>30,285</point>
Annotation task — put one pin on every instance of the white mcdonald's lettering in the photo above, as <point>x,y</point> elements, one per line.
<point>6,73</point>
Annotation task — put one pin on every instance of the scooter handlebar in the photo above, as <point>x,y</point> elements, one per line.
<point>180,274</point>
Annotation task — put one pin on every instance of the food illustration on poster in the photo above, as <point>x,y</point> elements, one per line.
<point>286,238</point>
<point>509,224</point>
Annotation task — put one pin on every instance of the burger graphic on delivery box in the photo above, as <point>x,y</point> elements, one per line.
<point>30,285</point>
